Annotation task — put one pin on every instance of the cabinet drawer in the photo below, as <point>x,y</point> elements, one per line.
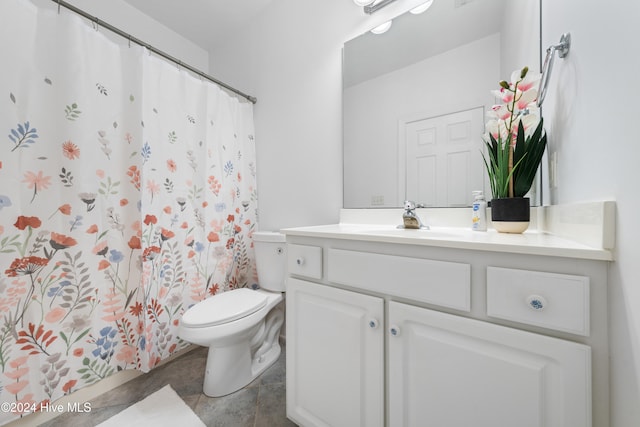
<point>305,260</point>
<point>549,300</point>
<point>446,284</point>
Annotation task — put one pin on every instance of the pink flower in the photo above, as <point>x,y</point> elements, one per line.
<point>153,187</point>
<point>504,95</point>
<point>60,241</point>
<point>55,315</point>
<point>70,150</point>
<point>134,242</point>
<point>526,98</point>
<point>38,180</point>
<point>501,112</point>
<point>101,248</point>
<point>65,209</point>
<point>530,81</point>
<point>166,234</point>
<point>18,361</point>
<point>127,354</point>
<point>17,387</point>
<point>66,388</point>
<point>19,372</point>
<point>27,221</point>
<point>150,219</point>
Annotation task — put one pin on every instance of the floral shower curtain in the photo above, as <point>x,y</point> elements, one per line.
<point>127,194</point>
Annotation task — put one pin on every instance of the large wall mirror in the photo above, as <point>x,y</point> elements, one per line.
<point>415,97</point>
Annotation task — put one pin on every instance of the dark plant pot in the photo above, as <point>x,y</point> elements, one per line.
<point>510,215</point>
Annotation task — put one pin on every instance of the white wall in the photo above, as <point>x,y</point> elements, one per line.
<point>129,19</point>
<point>290,59</point>
<point>516,34</point>
<point>592,116</point>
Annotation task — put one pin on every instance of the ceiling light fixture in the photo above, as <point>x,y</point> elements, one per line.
<point>422,8</point>
<point>382,28</point>
<point>373,7</point>
<point>363,2</point>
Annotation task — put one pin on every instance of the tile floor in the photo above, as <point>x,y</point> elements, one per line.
<point>260,404</point>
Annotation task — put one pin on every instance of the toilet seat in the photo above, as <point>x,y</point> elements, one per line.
<point>224,308</point>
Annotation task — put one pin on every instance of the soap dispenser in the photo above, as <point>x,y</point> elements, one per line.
<point>479,212</point>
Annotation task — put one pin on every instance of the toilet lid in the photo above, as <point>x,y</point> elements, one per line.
<point>224,308</point>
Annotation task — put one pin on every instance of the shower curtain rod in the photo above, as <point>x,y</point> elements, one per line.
<point>149,47</point>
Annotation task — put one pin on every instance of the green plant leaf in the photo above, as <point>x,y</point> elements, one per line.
<point>529,152</point>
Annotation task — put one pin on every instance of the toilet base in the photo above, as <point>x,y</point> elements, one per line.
<point>232,367</point>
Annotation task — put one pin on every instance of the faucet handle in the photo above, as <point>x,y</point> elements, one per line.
<point>409,205</point>
<point>410,218</point>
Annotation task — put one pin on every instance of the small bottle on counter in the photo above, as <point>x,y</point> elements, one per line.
<point>479,212</point>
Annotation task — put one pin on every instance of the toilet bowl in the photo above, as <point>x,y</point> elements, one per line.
<point>241,326</point>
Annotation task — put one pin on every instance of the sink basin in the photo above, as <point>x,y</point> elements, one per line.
<point>418,233</point>
<point>393,231</point>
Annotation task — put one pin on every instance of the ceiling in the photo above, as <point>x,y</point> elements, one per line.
<point>412,38</point>
<point>204,22</point>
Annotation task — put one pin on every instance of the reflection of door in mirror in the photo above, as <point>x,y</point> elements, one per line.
<point>442,162</point>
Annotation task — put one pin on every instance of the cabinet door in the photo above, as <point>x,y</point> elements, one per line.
<point>450,371</point>
<point>335,350</point>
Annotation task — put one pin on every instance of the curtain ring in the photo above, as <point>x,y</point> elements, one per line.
<point>129,41</point>
<point>97,23</point>
<point>58,7</point>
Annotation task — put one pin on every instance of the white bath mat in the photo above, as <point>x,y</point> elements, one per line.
<point>164,408</point>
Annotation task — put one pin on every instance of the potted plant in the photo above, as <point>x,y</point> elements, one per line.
<point>515,141</point>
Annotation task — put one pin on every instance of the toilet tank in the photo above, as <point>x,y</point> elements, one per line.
<point>271,259</point>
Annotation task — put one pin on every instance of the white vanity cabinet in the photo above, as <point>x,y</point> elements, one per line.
<point>449,370</point>
<point>388,334</point>
<point>335,356</point>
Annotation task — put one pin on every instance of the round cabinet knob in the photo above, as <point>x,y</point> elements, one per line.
<point>536,302</point>
<point>279,251</point>
<point>373,323</point>
<point>300,261</point>
<point>394,330</point>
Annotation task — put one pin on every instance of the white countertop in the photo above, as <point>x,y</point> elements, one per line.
<point>529,242</point>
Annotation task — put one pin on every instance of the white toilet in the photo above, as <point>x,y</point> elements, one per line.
<point>241,326</point>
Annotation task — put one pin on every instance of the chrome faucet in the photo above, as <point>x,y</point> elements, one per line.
<point>410,219</point>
